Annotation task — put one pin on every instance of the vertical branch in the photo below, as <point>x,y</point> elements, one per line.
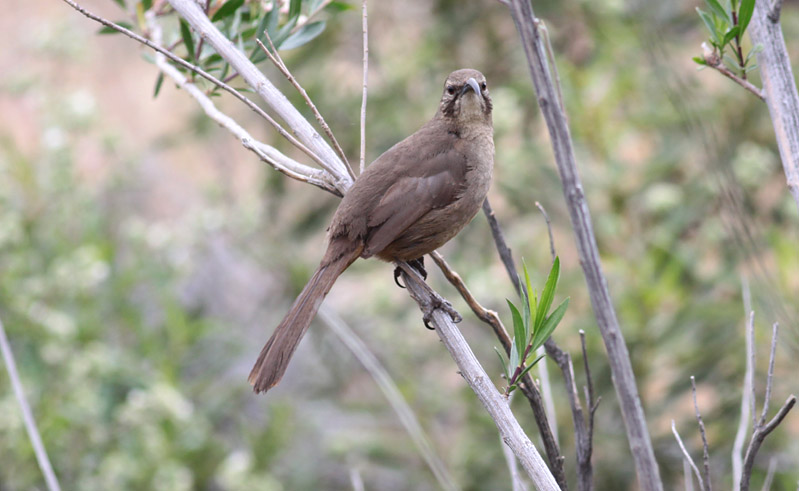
<point>705,454</point>
<point>779,87</point>
<point>365,81</point>
<point>746,394</point>
<point>623,377</point>
<point>27,414</point>
<point>686,455</point>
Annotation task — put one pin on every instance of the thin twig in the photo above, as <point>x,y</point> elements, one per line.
<point>504,251</point>
<point>27,414</point>
<point>278,62</point>
<point>757,440</point>
<point>549,229</point>
<point>772,467</point>
<point>705,454</point>
<point>686,455</point>
<point>713,60</point>
<point>207,76</point>
<point>365,83</point>
<point>770,376</point>
<point>750,342</point>
<point>686,470</point>
<point>517,484</point>
<point>392,393</point>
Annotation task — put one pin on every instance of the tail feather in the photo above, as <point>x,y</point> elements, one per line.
<point>276,354</point>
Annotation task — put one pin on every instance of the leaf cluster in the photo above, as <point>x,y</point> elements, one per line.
<point>727,20</point>
<point>532,326</point>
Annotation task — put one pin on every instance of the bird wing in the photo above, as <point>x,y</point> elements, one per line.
<point>434,182</point>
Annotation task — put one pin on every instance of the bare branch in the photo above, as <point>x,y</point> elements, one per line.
<point>240,62</point>
<point>743,424</point>
<point>623,377</point>
<point>27,415</point>
<point>278,62</point>
<point>770,376</point>
<point>705,454</point>
<point>686,455</point>
<point>212,79</point>
<point>511,461</point>
<point>365,81</point>
<point>750,343</point>
<point>496,405</point>
<point>265,152</point>
<point>549,229</point>
<point>779,86</point>
<point>689,480</point>
<point>392,394</point>
<point>758,436</point>
<point>505,253</point>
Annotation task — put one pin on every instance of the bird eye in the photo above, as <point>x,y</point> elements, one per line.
<point>483,86</point>
<point>450,89</point>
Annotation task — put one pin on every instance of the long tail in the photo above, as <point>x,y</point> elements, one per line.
<point>276,354</point>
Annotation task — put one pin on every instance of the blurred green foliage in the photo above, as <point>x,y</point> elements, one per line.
<point>134,329</point>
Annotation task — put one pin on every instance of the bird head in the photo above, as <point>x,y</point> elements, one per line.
<point>466,97</point>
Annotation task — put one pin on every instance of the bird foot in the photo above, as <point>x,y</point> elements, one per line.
<point>417,264</point>
<point>440,303</point>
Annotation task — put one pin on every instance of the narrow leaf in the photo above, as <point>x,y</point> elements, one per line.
<point>502,362</point>
<point>529,366</point>
<point>514,358</point>
<point>110,30</point>
<point>336,6</point>
<point>717,9</point>
<point>158,82</point>
<point>227,9</point>
<point>147,4</point>
<point>188,41</point>
<point>730,35</point>
<point>745,14</point>
<point>547,295</point>
<point>550,324</point>
<point>699,60</point>
<point>304,35</point>
<point>518,331</point>
<point>295,6</point>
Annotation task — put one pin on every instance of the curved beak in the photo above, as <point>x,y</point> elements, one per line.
<point>472,85</point>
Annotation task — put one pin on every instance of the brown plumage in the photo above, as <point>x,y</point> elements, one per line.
<point>410,201</point>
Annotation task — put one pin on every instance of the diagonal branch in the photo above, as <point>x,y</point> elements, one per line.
<point>494,402</point>
<point>27,414</point>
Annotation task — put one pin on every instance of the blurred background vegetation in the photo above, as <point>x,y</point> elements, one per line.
<point>145,256</point>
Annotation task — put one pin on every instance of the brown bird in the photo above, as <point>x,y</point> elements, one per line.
<point>414,198</point>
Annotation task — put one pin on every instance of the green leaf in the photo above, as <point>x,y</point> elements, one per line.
<point>514,357</point>
<point>121,3</point>
<point>304,35</point>
<point>530,296</point>
<point>158,82</point>
<point>518,331</point>
<point>147,4</point>
<point>745,14</point>
<point>295,7</point>
<point>699,60</point>
<point>336,6</point>
<point>730,35</point>
<point>547,295</point>
<point>529,366</point>
<point>711,26</point>
<point>502,362</point>
<point>717,9</point>
<point>111,30</point>
<point>227,9</point>
<point>188,41</point>
<point>550,324</point>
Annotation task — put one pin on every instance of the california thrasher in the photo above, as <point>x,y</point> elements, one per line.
<point>414,198</point>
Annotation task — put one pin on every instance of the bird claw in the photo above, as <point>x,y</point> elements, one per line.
<point>397,274</point>
<point>440,303</point>
<point>417,264</point>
